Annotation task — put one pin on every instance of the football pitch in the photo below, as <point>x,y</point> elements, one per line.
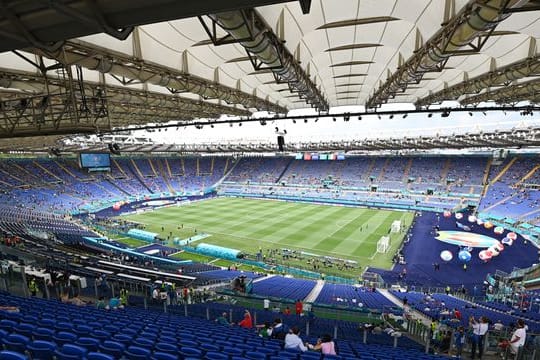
<point>252,224</point>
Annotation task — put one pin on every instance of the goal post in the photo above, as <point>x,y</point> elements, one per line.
<point>383,244</point>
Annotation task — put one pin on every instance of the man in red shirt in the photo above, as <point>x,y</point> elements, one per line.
<point>299,307</point>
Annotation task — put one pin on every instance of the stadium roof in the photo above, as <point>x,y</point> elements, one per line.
<point>141,63</point>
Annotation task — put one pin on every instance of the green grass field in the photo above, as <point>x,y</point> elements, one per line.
<point>249,224</point>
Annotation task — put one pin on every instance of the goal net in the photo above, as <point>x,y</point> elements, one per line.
<point>383,244</point>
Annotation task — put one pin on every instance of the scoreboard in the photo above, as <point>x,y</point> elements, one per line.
<point>312,156</point>
<point>95,161</point>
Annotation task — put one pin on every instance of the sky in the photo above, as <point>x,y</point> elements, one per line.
<point>370,127</point>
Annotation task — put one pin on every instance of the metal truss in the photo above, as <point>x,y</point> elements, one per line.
<point>46,24</point>
<point>265,51</point>
<point>465,33</point>
<point>502,76</point>
<point>132,70</point>
<point>527,91</point>
<point>515,138</point>
<point>117,106</point>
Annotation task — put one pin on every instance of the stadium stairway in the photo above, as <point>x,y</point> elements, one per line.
<point>314,294</point>
<point>415,314</point>
<point>263,278</point>
<point>228,172</point>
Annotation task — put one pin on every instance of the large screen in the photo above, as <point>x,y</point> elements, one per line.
<point>95,160</point>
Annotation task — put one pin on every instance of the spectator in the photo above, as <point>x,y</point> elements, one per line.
<point>287,311</point>
<point>265,331</point>
<point>480,329</point>
<point>498,326</point>
<point>325,345</point>
<point>246,323</point>
<point>222,319</point>
<point>298,307</point>
<point>518,337</point>
<point>100,304</point>
<point>32,287</point>
<point>459,341</point>
<point>293,340</point>
<point>279,330</point>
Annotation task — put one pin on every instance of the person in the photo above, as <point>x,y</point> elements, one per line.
<point>325,345</point>
<point>246,323</point>
<point>265,331</point>
<point>287,311</point>
<point>293,340</point>
<point>100,304</point>
<point>457,314</point>
<point>32,287</point>
<point>155,295</point>
<point>123,296</point>
<point>498,326</point>
<point>480,329</point>
<point>279,330</point>
<point>518,337</point>
<point>298,307</point>
<point>222,319</point>
<point>459,341</point>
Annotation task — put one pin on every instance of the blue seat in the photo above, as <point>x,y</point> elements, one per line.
<point>16,342</point>
<point>232,351</point>
<point>123,338</point>
<point>64,326</point>
<point>99,356</point>
<point>113,348</point>
<point>310,356</point>
<point>166,347</point>
<point>24,329</point>
<point>43,334</point>
<point>137,353</point>
<point>101,335</point>
<point>12,355</point>
<point>158,355</point>
<point>143,342</point>
<point>72,349</point>
<point>88,343</point>
<point>41,349</point>
<point>82,330</point>
<point>209,347</point>
<point>212,355</point>
<point>255,355</point>
<point>7,325</point>
<point>64,337</point>
<point>187,351</point>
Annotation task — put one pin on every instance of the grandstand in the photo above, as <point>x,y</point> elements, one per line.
<point>178,176</point>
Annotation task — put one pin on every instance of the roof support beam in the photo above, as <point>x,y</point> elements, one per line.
<point>502,76</point>
<point>46,24</point>
<point>44,111</point>
<point>127,67</point>
<point>266,52</point>
<point>507,95</point>
<point>465,33</point>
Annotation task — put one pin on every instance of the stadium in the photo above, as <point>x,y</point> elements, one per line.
<point>276,179</point>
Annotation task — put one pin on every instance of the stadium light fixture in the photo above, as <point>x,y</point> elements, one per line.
<point>360,118</point>
<point>404,116</point>
<point>334,119</point>
<point>391,116</point>
<point>470,113</point>
<point>305,121</point>
<point>429,115</point>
